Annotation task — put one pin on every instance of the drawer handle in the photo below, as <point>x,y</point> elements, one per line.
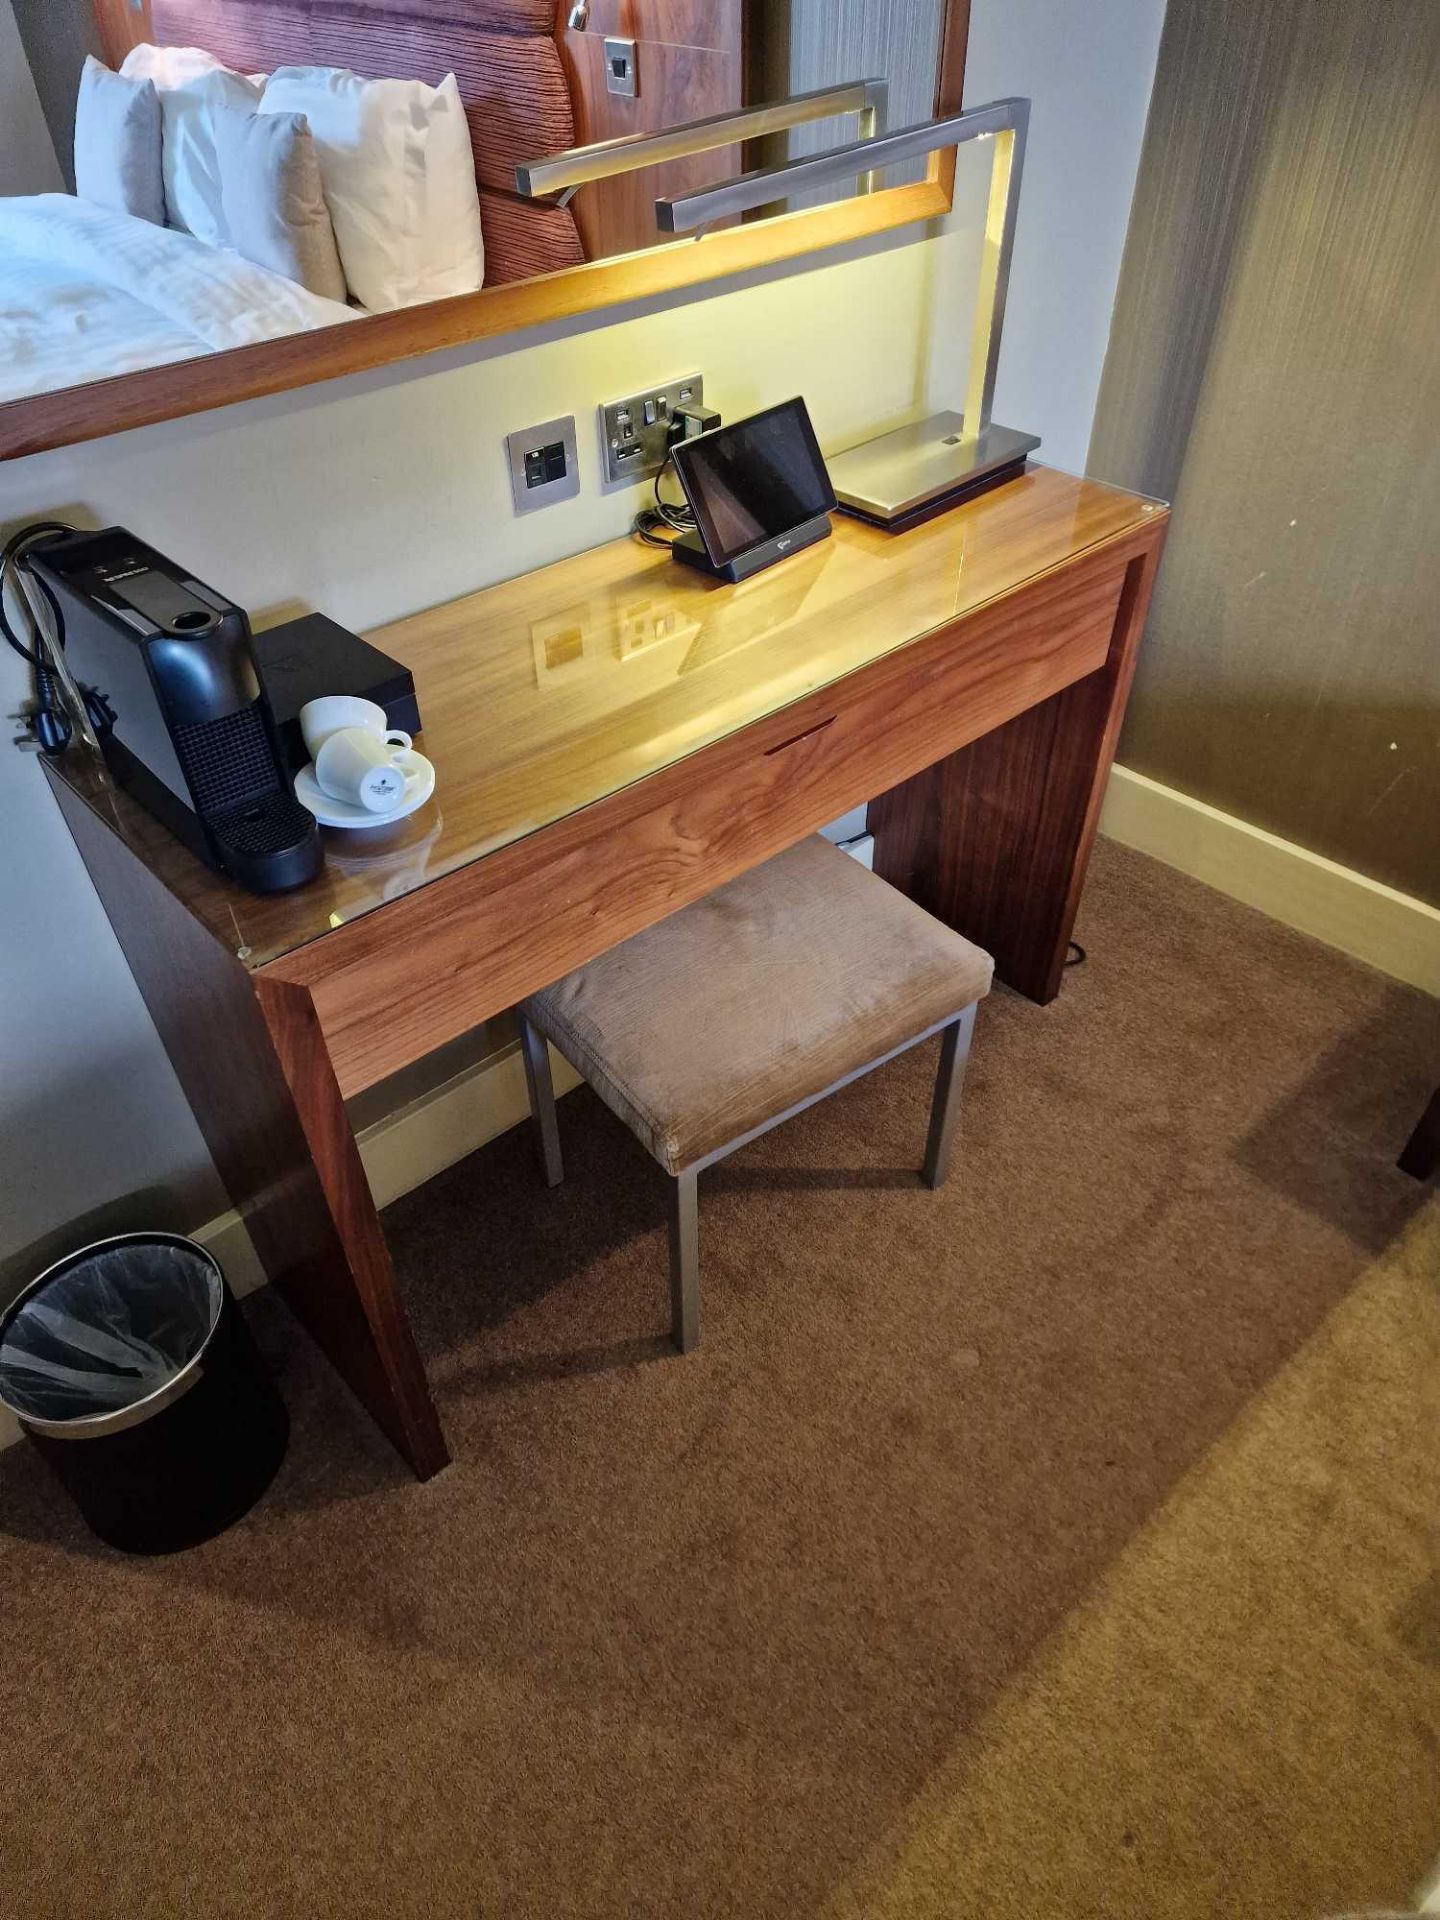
<point>795,738</point>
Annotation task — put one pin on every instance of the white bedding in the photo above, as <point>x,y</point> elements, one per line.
<point>85,293</point>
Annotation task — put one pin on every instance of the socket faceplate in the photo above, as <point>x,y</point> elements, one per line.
<point>542,462</point>
<point>620,73</point>
<point>633,432</point>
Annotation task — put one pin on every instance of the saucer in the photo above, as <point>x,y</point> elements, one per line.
<point>419,785</point>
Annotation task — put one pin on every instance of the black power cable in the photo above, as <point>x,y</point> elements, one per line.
<point>687,423</point>
<point>48,719</point>
<point>674,514</point>
<point>12,565</point>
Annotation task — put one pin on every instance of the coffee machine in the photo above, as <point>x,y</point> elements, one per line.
<point>180,713</point>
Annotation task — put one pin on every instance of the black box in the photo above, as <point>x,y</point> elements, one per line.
<point>307,658</point>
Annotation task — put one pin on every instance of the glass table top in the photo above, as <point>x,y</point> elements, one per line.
<point>550,691</point>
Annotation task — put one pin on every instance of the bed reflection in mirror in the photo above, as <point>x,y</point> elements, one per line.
<point>239,170</point>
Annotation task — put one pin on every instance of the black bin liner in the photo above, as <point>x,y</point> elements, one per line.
<point>130,1367</point>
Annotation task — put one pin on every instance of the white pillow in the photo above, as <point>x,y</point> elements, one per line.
<point>192,84</point>
<point>173,66</point>
<point>399,175</point>
<point>167,66</point>
<point>275,211</point>
<point>117,143</point>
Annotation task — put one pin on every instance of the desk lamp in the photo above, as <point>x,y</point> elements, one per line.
<point>906,476</point>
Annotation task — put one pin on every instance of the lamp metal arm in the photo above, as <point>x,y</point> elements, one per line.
<point>562,173</point>
<point>685,212</point>
<point>1004,121</point>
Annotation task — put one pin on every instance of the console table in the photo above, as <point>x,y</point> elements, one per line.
<point>615,736</point>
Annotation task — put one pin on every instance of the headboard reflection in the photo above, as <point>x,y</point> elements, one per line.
<point>505,61</point>
<point>532,83</point>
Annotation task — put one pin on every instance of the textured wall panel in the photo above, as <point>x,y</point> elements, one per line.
<point>1274,367</point>
<point>506,65</point>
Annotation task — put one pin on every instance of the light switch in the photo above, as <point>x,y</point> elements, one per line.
<point>620,75</point>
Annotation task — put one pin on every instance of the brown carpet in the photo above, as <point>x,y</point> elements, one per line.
<point>1055,1545</point>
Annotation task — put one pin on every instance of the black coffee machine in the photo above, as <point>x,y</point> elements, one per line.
<point>182,718</point>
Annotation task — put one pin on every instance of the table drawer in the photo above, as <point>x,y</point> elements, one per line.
<point>410,976</point>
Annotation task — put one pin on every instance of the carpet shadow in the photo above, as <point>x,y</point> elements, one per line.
<point>732,1178</point>
<point>619,1356</point>
<point>530,1244</point>
<point>529,1240</point>
<point>1330,1145</point>
<point>1417,1625</point>
<point>35,1507</point>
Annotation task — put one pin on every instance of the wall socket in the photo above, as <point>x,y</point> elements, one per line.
<point>635,433</point>
<point>543,466</point>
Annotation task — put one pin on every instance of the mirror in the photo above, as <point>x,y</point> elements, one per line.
<point>242,229</point>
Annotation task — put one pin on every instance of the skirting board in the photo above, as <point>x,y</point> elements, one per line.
<point>1391,931</point>
<point>413,1144</point>
<point>400,1152</point>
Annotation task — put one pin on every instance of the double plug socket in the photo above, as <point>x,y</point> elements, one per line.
<point>635,432</point>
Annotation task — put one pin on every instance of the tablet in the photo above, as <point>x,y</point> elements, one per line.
<point>753,481</point>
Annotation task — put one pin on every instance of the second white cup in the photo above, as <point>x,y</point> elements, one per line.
<point>334,711</point>
<point>358,766</point>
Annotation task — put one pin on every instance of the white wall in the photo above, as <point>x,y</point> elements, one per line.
<point>1087,71</point>
<point>372,497</point>
<point>27,155</point>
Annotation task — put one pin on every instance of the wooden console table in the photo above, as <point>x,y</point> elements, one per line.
<point>615,736</point>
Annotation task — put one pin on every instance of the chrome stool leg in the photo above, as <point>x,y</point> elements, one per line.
<point>945,1107</point>
<point>542,1100</point>
<point>685,1260</point>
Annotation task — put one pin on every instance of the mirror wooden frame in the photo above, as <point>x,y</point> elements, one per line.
<point>71,415</point>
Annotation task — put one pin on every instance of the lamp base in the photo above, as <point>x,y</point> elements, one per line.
<point>910,475</point>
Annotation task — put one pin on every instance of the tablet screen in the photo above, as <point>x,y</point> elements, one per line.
<point>754,480</point>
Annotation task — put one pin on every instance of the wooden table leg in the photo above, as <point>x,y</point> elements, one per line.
<point>252,1061</point>
<point>995,839</point>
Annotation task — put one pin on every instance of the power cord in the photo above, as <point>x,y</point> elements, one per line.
<point>674,514</point>
<point>58,705</point>
<point>11,566</point>
<point>686,423</point>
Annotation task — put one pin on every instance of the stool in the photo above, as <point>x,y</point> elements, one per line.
<point>710,1028</point>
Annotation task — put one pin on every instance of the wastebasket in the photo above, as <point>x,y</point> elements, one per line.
<point>130,1367</point>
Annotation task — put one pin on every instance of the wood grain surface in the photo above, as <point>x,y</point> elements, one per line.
<point>995,839</point>
<point>688,57</point>
<point>258,1082</point>
<point>550,692</point>
<point>121,25</point>
<point>390,987</point>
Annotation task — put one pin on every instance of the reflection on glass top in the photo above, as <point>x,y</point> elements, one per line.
<point>551,691</point>
<point>137,269</point>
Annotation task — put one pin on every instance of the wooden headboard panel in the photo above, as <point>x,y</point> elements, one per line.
<point>502,53</point>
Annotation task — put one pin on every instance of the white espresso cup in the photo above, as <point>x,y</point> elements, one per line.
<point>334,711</point>
<point>360,767</point>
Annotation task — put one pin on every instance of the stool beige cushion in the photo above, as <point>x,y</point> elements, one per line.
<point>756,998</point>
